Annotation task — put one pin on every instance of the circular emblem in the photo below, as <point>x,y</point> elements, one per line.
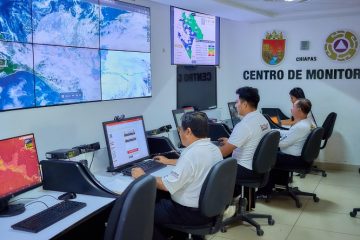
<point>341,45</point>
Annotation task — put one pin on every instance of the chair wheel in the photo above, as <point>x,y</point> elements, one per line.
<point>298,204</point>
<point>324,174</point>
<point>316,199</point>
<point>260,232</point>
<point>271,221</point>
<point>223,230</point>
<point>302,175</point>
<point>353,214</point>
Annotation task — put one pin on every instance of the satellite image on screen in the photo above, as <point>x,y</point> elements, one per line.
<point>129,25</point>
<point>16,76</point>
<point>66,22</point>
<point>65,75</point>
<point>125,74</point>
<point>15,20</point>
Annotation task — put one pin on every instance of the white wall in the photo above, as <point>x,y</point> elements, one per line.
<point>341,96</point>
<point>67,126</point>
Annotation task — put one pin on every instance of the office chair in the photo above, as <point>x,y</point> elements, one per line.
<point>328,126</point>
<point>274,112</point>
<point>355,210</point>
<point>132,216</point>
<point>218,130</point>
<point>264,159</point>
<point>309,153</point>
<point>216,194</point>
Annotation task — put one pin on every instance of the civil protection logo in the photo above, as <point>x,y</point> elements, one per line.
<point>341,45</point>
<point>273,48</point>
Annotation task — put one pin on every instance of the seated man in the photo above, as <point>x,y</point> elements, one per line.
<point>246,135</point>
<point>291,144</point>
<point>185,181</point>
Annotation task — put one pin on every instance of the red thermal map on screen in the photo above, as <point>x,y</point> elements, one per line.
<point>19,167</point>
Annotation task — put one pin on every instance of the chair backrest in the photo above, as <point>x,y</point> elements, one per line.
<point>132,216</point>
<point>328,125</point>
<point>265,154</point>
<point>311,146</point>
<point>218,130</point>
<point>218,188</point>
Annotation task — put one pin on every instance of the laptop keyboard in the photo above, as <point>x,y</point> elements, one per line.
<point>148,167</point>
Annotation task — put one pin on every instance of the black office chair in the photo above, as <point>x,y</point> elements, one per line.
<point>263,161</point>
<point>218,130</point>
<point>328,126</point>
<point>216,194</point>
<point>355,210</point>
<point>309,153</point>
<point>132,216</point>
<point>274,112</point>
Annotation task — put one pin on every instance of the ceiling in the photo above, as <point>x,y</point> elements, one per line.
<point>269,10</point>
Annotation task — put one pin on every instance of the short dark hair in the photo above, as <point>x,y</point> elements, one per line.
<point>297,93</point>
<point>304,104</point>
<point>197,122</point>
<point>250,95</point>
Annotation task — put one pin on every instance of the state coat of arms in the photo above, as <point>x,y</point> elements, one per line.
<point>273,48</point>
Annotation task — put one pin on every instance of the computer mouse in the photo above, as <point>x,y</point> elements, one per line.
<point>67,196</point>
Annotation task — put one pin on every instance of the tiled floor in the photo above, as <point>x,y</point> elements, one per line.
<point>328,219</point>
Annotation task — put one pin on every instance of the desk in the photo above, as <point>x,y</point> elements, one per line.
<point>94,205</point>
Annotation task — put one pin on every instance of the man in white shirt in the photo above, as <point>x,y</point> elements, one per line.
<point>246,135</point>
<point>291,144</point>
<point>185,181</point>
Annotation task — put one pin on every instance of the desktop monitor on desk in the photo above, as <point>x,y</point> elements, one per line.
<point>126,142</point>
<point>234,115</point>
<point>178,113</point>
<point>19,171</point>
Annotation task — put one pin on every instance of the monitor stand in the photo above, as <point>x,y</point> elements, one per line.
<point>12,210</point>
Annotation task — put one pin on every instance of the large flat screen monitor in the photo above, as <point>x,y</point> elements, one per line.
<point>196,87</point>
<point>195,37</point>
<point>71,51</point>
<point>19,171</point>
<point>126,142</point>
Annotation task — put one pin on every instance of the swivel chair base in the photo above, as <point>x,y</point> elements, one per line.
<point>314,169</point>
<point>242,215</point>
<point>354,212</point>
<point>294,192</point>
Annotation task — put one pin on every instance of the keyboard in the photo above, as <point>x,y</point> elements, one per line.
<point>49,216</point>
<point>148,167</point>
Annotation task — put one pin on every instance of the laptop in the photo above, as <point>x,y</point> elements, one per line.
<point>235,118</point>
<point>127,146</point>
<point>177,114</point>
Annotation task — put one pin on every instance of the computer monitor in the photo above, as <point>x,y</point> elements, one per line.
<point>126,142</point>
<point>19,171</point>
<point>234,115</point>
<point>178,113</point>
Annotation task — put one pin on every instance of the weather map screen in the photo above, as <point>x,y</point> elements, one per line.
<point>51,52</point>
<point>19,165</point>
<point>194,38</point>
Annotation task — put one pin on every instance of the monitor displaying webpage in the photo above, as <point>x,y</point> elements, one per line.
<point>126,141</point>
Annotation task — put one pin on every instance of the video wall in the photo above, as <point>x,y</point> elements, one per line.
<point>56,52</point>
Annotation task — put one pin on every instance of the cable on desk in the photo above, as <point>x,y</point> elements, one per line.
<point>36,202</point>
<point>32,198</point>
<point>92,159</point>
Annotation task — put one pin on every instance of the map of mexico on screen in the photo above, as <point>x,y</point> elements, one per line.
<point>19,167</point>
<point>195,38</point>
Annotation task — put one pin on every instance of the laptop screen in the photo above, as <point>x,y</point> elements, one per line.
<point>178,113</point>
<point>233,113</point>
<point>126,142</point>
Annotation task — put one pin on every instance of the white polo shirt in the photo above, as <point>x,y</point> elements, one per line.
<point>186,179</point>
<point>293,140</point>
<point>246,136</point>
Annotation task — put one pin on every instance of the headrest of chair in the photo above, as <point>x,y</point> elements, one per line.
<point>265,154</point>
<point>312,144</point>
<point>328,125</point>
<point>218,188</point>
